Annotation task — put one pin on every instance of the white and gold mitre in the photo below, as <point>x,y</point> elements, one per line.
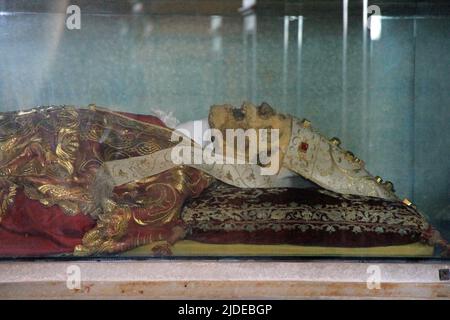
<point>322,161</point>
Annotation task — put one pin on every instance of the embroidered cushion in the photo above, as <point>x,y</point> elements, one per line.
<point>227,214</point>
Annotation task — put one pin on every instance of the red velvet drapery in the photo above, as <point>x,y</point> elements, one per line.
<point>29,228</point>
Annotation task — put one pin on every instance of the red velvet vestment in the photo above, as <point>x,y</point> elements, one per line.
<point>64,146</point>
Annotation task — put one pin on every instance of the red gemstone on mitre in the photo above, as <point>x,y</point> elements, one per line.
<point>303,147</point>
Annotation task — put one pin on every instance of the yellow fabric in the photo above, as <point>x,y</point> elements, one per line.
<point>194,248</point>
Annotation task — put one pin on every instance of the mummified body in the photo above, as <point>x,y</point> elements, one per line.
<point>50,156</point>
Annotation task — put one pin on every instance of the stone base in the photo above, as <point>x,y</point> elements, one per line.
<point>162,279</point>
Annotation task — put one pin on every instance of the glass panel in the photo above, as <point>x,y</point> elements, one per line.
<point>378,80</point>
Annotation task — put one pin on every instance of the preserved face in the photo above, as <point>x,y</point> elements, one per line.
<point>249,116</point>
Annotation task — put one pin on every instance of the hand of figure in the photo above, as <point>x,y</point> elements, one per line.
<point>162,249</point>
<point>107,234</point>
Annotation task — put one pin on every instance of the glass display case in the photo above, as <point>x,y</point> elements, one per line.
<point>263,129</point>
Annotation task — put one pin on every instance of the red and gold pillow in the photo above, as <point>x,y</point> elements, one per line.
<point>318,217</point>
